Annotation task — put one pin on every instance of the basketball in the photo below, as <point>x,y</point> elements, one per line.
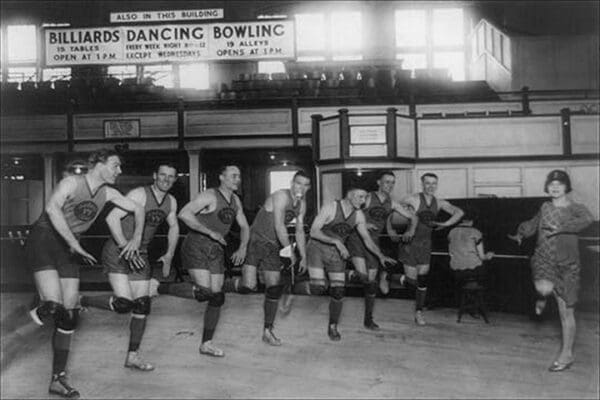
<point>399,222</point>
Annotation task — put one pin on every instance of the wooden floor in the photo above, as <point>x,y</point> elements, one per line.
<point>506,359</point>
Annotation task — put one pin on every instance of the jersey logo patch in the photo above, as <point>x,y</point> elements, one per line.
<point>226,215</point>
<point>155,217</point>
<point>341,229</point>
<point>378,213</point>
<point>427,218</point>
<point>289,216</point>
<point>85,211</point>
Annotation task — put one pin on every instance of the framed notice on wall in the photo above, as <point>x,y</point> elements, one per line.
<point>367,134</point>
<point>121,128</point>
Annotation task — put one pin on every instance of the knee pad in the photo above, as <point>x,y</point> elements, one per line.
<point>422,282</point>
<point>51,311</point>
<point>274,292</point>
<point>68,320</point>
<point>141,305</point>
<point>121,305</point>
<point>337,292</point>
<point>217,299</point>
<point>317,289</point>
<point>245,290</point>
<point>202,294</point>
<point>371,288</point>
<point>358,277</point>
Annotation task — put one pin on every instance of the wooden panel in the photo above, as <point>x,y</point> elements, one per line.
<point>143,145</point>
<point>490,137</point>
<point>34,127</point>
<point>585,134</point>
<point>304,113</point>
<point>155,124</point>
<point>486,175</point>
<point>329,139</point>
<point>238,143</point>
<point>405,137</point>
<point>238,122</point>
<point>331,187</point>
<point>498,191</point>
<point>554,106</point>
<point>452,182</point>
<point>367,120</point>
<point>467,107</point>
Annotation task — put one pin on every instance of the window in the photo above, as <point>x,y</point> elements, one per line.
<point>280,180</point>
<point>53,74</point>
<point>448,27</point>
<point>453,61</point>
<point>346,35</point>
<point>413,61</point>
<point>122,71</point>
<point>22,43</point>
<point>194,76</point>
<point>411,28</point>
<point>162,75</point>
<point>271,67</point>
<point>310,32</point>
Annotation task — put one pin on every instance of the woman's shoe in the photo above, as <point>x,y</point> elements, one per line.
<point>558,366</point>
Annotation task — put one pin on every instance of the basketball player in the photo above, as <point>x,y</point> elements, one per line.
<point>555,265</point>
<point>130,280</point>
<point>209,217</point>
<point>54,240</point>
<point>416,255</point>
<point>378,207</point>
<point>327,253</point>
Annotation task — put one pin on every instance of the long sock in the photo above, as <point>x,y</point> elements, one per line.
<point>369,305</point>
<point>183,289</point>
<point>61,343</point>
<point>137,326</point>
<point>335,309</point>
<point>211,318</point>
<point>420,295</point>
<point>270,308</point>
<point>101,301</point>
<point>230,285</point>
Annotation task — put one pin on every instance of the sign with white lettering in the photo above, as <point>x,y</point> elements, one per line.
<point>367,134</point>
<point>167,15</point>
<point>268,39</point>
<point>114,128</point>
<point>169,43</point>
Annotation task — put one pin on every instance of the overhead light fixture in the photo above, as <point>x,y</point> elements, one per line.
<point>285,163</point>
<point>359,172</point>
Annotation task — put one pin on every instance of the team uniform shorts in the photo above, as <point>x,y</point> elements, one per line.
<point>118,265</point>
<point>324,256</point>
<point>263,254</point>
<point>356,247</point>
<point>47,250</point>
<point>417,252</point>
<point>564,277</point>
<point>201,252</point>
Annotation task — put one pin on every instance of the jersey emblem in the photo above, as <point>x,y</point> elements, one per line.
<point>378,213</point>
<point>289,216</point>
<point>226,215</point>
<point>155,217</point>
<point>85,211</point>
<point>341,229</point>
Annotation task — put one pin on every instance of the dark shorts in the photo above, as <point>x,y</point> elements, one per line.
<point>201,252</point>
<point>324,256</point>
<point>417,252</point>
<point>263,254</point>
<point>357,248</point>
<point>117,265</point>
<point>565,278</point>
<point>45,250</point>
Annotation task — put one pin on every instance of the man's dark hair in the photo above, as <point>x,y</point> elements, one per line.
<point>301,173</point>
<point>101,156</point>
<point>168,164</point>
<point>224,167</point>
<point>384,173</point>
<point>430,175</point>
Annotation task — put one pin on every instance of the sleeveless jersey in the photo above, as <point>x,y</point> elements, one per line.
<point>426,215</point>
<point>340,227</point>
<point>81,208</point>
<point>378,212</point>
<point>222,217</point>
<point>155,214</point>
<point>264,222</point>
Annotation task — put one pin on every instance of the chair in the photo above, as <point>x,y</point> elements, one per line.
<point>471,300</point>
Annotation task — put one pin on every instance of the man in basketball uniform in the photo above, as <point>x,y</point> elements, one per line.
<point>269,235</point>
<point>130,280</point>
<point>209,217</point>
<point>54,240</point>
<point>416,255</point>
<point>327,252</point>
<point>377,209</point>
